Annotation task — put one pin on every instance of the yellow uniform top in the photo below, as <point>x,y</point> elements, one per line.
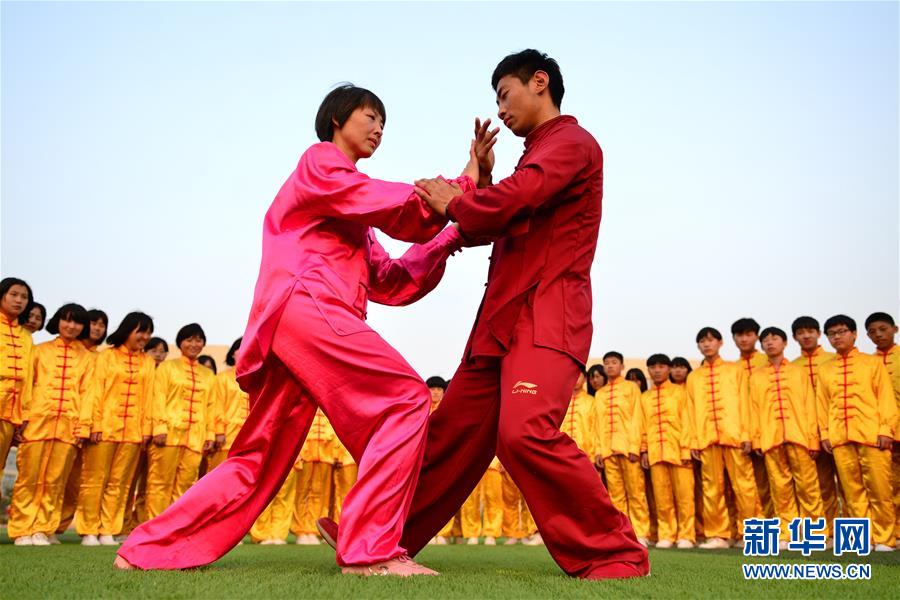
<point>15,370</point>
<point>666,429</point>
<point>119,397</point>
<point>618,406</point>
<point>783,407</point>
<point>495,464</point>
<point>61,375</point>
<point>232,406</point>
<point>318,445</point>
<point>579,423</point>
<point>855,399</point>
<point>753,362</point>
<point>811,361</point>
<point>719,405</point>
<point>183,403</point>
<point>891,361</point>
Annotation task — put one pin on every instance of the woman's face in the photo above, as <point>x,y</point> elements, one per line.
<point>69,330</point>
<point>597,380</point>
<point>360,136</point>
<point>98,331</point>
<point>137,340</point>
<point>35,320</point>
<point>192,347</point>
<point>158,353</point>
<point>14,301</point>
<point>679,374</point>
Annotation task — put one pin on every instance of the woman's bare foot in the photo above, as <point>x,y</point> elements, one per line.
<point>123,564</point>
<point>402,566</point>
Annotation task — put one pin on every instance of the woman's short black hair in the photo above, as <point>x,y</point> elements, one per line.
<point>229,358</point>
<point>133,321</point>
<point>340,103</point>
<point>23,318</point>
<point>189,331</point>
<point>95,314</point>
<point>154,342</point>
<point>7,283</point>
<point>208,361</point>
<point>680,361</point>
<point>637,374</point>
<point>708,331</point>
<point>804,323</point>
<point>772,331</point>
<point>524,65</point>
<point>659,359</point>
<point>70,312</point>
<point>590,372</point>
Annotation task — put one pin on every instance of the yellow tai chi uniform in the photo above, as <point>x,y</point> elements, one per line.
<point>751,364</point>
<point>61,374</point>
<point>492,488</point>
<point>232,405</point>
<point>517,520</point>
<point>857,405</point>
<point>618,421</point>
<point>785,430</point>
<point>580,422</point>
<point>666,438</point>
<point>118,405</point>
<point>274,523</point>
<point>183,411</point>
<point>891,361</point>
<point>315,480</point>
<point>719,406</point>
<point>15,380</point>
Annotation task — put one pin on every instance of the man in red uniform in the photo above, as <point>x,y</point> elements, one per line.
<point>531,336</point>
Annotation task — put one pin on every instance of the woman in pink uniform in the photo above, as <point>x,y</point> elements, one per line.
<point>307,344</point>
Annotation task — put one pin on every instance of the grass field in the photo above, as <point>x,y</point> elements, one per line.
<point>70,571</point>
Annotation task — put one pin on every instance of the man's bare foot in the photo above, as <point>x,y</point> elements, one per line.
<point>402,566</point>
<point>123,564</point>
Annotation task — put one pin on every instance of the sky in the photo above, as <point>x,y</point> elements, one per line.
<point>751,153</point>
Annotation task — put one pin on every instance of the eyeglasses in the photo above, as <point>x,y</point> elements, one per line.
<point>837,332</point>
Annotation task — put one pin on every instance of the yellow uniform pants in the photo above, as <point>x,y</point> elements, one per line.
<point>313,496</point>
<point>762,485</point>
<point>865,475</point>
<point>673,490</point>
<point>492,485</point>
<point>828,488</point>
<point>171,471</point>
<point>895,470</point>
<point>70,494</point>
<point>470,513</point>
<point>215,459</point>
<point>453,528</point>
<point>716,461</point>
<point>625,483</point>
<point>275,522</point>
<point>7,431</point>
<point>795,485</point>
<point>38,492</point>
<point>106,472</point>
<point>136,505</point>
<point>344,478</point>
<point>517,521</point>
<point>698,498</point>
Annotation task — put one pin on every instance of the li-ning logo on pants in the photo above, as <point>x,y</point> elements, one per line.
<point>523,387</point>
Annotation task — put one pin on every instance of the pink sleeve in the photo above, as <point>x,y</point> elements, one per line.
<point>404,280</point>
<point>334,188</point>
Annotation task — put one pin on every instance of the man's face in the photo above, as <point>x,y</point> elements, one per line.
<point>882,334</point>
<point>746,341</point>
<point>709,346</point>
<point>518,104</point>
<point>437,394</point>
<point>808,338</point>
<point>773,345</point>
<point>841,338</point>
<point>613,367</point>
<point>659,373</point>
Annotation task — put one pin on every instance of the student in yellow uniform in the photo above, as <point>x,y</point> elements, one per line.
<point>183,422</point>
<point>453,529</point>
<point>62,369</point>
<point>315,480</point>
<point>157,349</point>
<point>492,484</point>
<point>580,422</point>
<point>882,330</point>
<point>99,323</point>
<point>785,432</point>
<point>517,525</point>
<point>678,375</point>
<point>618,405</point>
<point>806,333</point>
<point>118,406</point>
<point>666,451</point>
<point>856,423</point>
<point>720,412</point>
<point>232,405</point>
<point>680,370</point>
<point>15,360</point>
<point>273,525</point>
<point>745,333</point>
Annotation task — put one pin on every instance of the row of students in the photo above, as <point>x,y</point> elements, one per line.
<point>793,437</point>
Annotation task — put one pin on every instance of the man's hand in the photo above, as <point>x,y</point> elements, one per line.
<point>695,454</point>
<point>633,457</point>
<point>483,150</point>
<point>826,446</point>
<point>208,446</point>
<point>160,440</point>
<point>645,460</point>
<point>884,442</point>
<point>758,452</point>
<point>220,441</point>
<point>437,193</point>
<point>814,454</point>
<point>96,437</point>
<point>746,448</point>
<point>145,441</point>
<point>19,434</point>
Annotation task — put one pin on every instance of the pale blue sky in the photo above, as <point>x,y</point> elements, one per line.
<point>751,152</point>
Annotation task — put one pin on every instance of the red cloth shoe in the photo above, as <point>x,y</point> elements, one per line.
<point>328,529</point>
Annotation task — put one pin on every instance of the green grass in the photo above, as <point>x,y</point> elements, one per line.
<point>71,571</point>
